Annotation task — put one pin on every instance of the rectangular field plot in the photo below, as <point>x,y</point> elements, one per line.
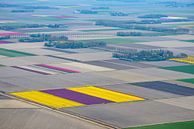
<point>76,96</point>
<point>165,63</point>
<point>134,114</point>
<point>120,40</point>
<point>36,70</point>
<point>149,94</point>
<point>184,69</point>
<point>88,67</point>
<point>62,69</point>
<point>186,102</point>
<point>5,42</point>
<point>72,97</point>
<point>46,99</point>
<point>86,56</point>
<point>167,87</point>
<point>9,33</point>
<point>106,94</point>
<point>107,64</point>
<point>13,53</point>
<point>169,44</point>
<point>177,125</point>
<point>189,60</point>
<point>187,80</point>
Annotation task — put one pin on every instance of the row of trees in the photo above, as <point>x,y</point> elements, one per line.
<point>100,8</point>
<point>87,12</point>
<point>22,11</point>
<point>129,34</point>
<point>153,16</point>
<point>118,14</point>
<point>13,27</point>
<point>76,44</point>
<point>131,25</point>
<point>146,55</point>
<point>25,6</point>
<point>176,4</point>
<point>43,38</point>
<point>4,37</point>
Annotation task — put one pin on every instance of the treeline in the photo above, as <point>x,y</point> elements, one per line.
<point>43,38</point>
<point>4,5</point>
<point>100,8</point>
<point>153,16</point>
<point>87,12</point>
<point>4,37</point>
<point>118,14</point>
<point>131,25</point>
<point>146,55</point>
<point>76,44</point>
<point>130,34</point>
<point>13,27</point>
<point>128,1</point>
<point>22,11</point>
<point>176,4</point>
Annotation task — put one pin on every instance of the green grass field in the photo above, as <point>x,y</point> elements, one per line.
<point>119,40</point>
<point>185,69</point>
<point>170,25</point>
<point>97,30</point>
<point>178,125</point>
<point>191,80</point>
<point>191,41</point>
<point>13,53</point>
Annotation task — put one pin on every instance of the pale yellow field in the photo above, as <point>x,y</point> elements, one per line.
<point>189,60</point>
<point>106,94</point>
<point>46,99</point>
<point>88,66</point>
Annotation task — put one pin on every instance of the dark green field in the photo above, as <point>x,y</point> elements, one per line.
<point>13,53</point>
<point>184,69</point>
<point>187,80</point>
<point>97,30</point>
<point>178,125</point>
<point>191,41</point>
<point>119,40</point>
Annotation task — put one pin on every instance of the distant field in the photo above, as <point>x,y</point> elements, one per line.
<point>76,96</point>
<point>189,60</point>
<point>176,25</point>
<point>178,125</point>
<point>41,30</point>
<point>185,69</point>
<point>13,53</point>
<point>55,19</point>
<point>191,41</point>
<point>119,40</point>
<point>5,42</point>
<point>187,80</point>
<point>94,30</point>
<point>12,24</point>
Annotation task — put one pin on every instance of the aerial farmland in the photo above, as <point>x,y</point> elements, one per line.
<point>98,64</point>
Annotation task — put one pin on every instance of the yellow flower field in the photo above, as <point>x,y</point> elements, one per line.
<point>46,99</point>
<point>106,94</point>
<point>189,60</point>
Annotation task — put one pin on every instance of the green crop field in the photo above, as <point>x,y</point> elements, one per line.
<point>13,53</point>
<point>178,125</point>
<point>185,69</point>
<point>119,40</point>
<point>191,80</point>
<point>191,41</point>
<point>97,30</point>
<point>170,25</point>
